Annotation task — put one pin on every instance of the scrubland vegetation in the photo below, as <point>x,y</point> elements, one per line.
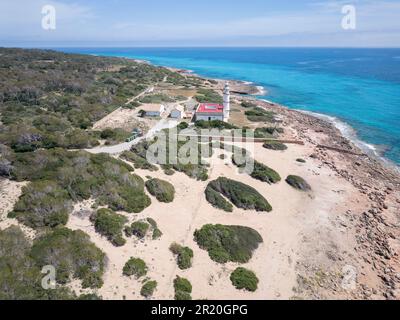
<point>244,279</point>
<point>61,177</point>
<point>161,189</point>
<point>228,243</point>
<point>298,183</point>
<point>275,145</point>
<point>135,267</point>
<point>183,289</point>
<point>184,255</point>
<point>110,225</point>
<point>260,115</point>
<point>240,194</point>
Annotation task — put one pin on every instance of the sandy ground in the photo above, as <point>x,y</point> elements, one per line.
<point>121,118</point>
<point>296,218</point>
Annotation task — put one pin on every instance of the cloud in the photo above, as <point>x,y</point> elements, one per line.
<point>319,22</point>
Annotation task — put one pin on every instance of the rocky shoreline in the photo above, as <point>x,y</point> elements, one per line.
<point>377,227</point>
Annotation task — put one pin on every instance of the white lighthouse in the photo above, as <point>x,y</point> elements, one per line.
<point>227,102</point>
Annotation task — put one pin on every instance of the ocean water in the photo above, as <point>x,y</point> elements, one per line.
<point>357,87</point>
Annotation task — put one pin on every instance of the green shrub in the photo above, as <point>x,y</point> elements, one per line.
<point>148,288</point>
<point>240,194</point>
<point>248,104</point>
<point>217,201</point>
<point>138,161</point>
<point>184,255</point>
<point>244,279</point>
<point>298,183</point>
<point>162,190</point>
<point>301,160</point>
<point>89,296</point>
<point>260,171</point>
<point>135,267</point>
<point>139,229</point>
<point>110,225</point>
<point>208,95</point>
<point>156,234</point>
<point>275,145</point>
<point>43,203</point>
<point>72,254</point>
<point>260,115</point>
<point>228,243</point>
<point>61,177</point>
<point>214,124</point>
<point>267,132</point>
<point>183,289</point>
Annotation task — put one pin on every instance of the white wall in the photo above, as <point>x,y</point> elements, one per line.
<point>209,117</point>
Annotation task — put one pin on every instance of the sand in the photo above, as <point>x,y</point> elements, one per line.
<point>294,215</point>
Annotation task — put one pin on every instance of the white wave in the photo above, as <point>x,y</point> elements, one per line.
<point>351,134</point>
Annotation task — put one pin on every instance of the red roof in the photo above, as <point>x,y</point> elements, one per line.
<point>210,108</point>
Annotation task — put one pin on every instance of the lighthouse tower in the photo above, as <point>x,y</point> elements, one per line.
<point>227,102</point>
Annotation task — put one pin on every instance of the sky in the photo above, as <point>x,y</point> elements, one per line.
<point>294,23</point>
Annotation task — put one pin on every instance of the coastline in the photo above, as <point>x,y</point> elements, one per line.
<point>348,219</point>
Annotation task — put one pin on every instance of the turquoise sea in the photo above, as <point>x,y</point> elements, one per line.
<point>359,89</point>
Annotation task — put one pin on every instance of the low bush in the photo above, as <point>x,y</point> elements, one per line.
<point>183,289</point>
<point>20,275</point>
<point>275,145</point>
<point>298,183</point>
<point>43,203</point>
<point>260,115</point>
<point>244,279</point>
<point>184,255</point>
<point>139,229</point>
<point>148,288</point>
<point>217,201</point>
<point>138,161</point>
<point>135,267</point>
<point>300,160</point>
<point>248,104</point>
<point>228,243</point>
<point>110,225</point>
<point>72,254</point>
<point>162,190</point>
<point>240,194</point>
<point>214,124</point>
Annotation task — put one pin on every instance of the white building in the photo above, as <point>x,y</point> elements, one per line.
<point>178,112</point>
<point>215,111</point>
<point>152,109</point>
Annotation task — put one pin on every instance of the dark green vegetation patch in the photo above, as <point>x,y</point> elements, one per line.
<point>62,177</point>
<point>244,279</point>
<point>228,243</point>
<point>298,183</point>
<point>161,189</point>
<point>184,255</point>
<point>73,256</point>
<point>260,115</point>
<point>240,194</point>
<point>275,145</point>
<point>217,200</point>
<point>148,288</point>
<point>214,124</point>
<point>183,289</point>
<point>110,225</point>
<point>20,273</point>
<point>258,170</point>
<point>135,267</point>
<point>138,161</point>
